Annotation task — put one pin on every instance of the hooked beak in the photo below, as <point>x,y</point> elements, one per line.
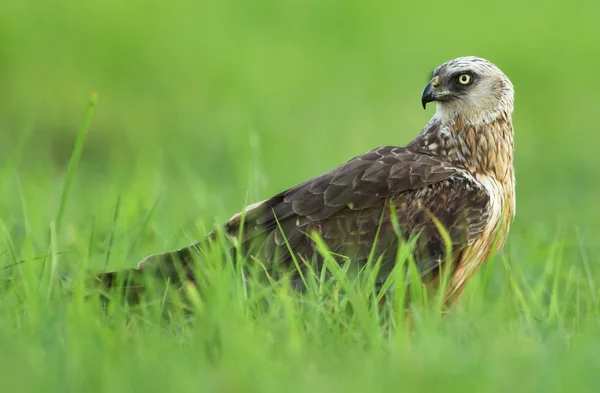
<point>432,92</point>
<point>428,95</point>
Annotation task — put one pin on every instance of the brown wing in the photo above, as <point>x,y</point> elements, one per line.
<point>346,206</point>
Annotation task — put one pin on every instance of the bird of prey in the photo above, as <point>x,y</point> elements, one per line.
<point>457,172</point>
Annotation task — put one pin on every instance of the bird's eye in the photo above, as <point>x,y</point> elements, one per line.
<point>464,79</point>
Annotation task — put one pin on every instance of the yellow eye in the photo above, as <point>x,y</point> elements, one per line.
<point>464,79</point>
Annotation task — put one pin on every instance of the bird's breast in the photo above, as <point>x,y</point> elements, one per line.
<point>501,208</point>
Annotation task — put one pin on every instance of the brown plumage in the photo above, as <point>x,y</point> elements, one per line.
<point>459,169</point>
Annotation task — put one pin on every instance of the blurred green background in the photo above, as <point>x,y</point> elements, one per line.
<point>213,103</point>
<point>205,106</point>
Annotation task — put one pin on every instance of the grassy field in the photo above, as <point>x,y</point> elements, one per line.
<point>206,106</point>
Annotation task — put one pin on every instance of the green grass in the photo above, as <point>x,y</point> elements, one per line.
<point>206,106</point>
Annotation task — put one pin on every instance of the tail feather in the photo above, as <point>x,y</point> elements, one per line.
<point>175,267</point>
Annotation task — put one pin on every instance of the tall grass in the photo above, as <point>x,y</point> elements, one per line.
<point>237,333</point>
<point>208,106</point>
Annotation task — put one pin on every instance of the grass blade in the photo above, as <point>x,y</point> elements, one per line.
<point>74,160</point>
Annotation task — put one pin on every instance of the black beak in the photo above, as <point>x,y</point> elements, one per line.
<point>429,95</point>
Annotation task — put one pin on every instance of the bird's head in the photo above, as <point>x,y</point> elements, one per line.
<point>471,88</point>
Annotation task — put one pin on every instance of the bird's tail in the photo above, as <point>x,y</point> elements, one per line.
<point>174,267</point>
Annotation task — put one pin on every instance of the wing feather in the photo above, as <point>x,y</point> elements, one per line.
<point>347,205</point>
